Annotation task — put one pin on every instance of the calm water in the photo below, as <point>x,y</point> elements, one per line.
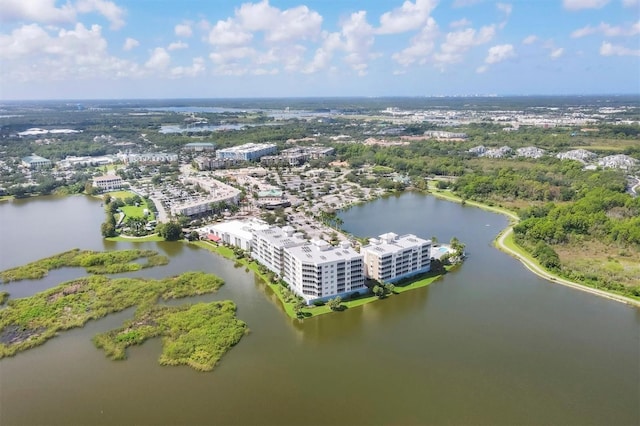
<point>489,344</point>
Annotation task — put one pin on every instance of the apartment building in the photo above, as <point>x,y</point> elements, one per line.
<point>247,152</point>
<point>391,257</point>
<point>108,182</point>
<point>238,233</point>
<point>318,271</point>
<point>268,246</point>
<point>35,162</point>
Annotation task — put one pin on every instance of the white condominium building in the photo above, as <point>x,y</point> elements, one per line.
<point>390,258</point>
<point>108,182</point>
<point>238,233</point>
<point>247,152</point>
<point>268,246</point>
<point>317,270</point>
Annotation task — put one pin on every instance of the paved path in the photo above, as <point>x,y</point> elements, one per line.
<point>554,278</point>
<point>543,273</point>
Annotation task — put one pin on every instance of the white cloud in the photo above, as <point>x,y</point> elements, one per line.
<point>159,59</point>
<point>298,23</point>
<point>608,49</point>
<point>530,39</point>
<point>584,4</point>
<point>631,3</point>
<point>34,53</point>
<point>232,55</point>
<point>464,22</point>
<point>556,53</point>
<point>421,46</point>
<point>324,54</point>
<point>197,67</point>
<point>177,45</point>
<point>265,71</point>
<point>482,68</point>
<point>108,9</point>
<point>229,33</point>
<point>608,30</point>
<point>408,17</point>
<point>183,30</point>
<point>505,8</point>
<point>499,53</point>
<point>45,11</point>
<point>458,42</point>
<point>465,3</point>
<point>357,36</point>
<point>130,43</point>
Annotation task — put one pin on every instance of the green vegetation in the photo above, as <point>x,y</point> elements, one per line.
<point>4,296</point>
<point>572,213</point>
<point>112,262</point>
<point>194,335</point>
<point>170,231</point>
<point>127,214</point>
<point>30,321</point>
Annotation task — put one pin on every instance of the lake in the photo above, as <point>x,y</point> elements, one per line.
<point>490,343</point>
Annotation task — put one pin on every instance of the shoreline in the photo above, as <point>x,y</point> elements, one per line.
<point>499,243</point>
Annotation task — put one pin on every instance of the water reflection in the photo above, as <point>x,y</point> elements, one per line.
<point>488,344</point>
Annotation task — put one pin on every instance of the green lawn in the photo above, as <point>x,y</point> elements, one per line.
<point>121,194</point>
<point>132,211</point>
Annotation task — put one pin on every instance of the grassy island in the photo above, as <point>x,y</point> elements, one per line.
<point>112,262</point>
<point>31,321</point>
<point>194,335</point>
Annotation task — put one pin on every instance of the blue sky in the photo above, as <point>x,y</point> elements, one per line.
<point>87,49</point>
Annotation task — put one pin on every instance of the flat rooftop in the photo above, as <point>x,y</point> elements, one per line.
<point>311,253</point>
<point>281,237</point>
<point>391,243</point>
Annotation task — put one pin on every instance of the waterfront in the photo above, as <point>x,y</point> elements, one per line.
<point>490,343</point>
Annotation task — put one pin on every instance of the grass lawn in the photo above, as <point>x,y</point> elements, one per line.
<point>121,194</point>
<point>132,211</point>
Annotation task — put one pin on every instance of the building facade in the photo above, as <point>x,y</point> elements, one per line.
<point>269,244</point>
<point>319,271</point>
<point>35,162</point>
<point>199,147</point>
<point>390,257</point>
<point>247,152</point>
<point>108,182</point>
<point>238,233</point>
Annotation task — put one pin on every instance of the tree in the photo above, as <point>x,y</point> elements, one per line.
<point>457,246</point>
<point>297,308</point>
<point>108,229</point>
<point>334,304</point>
<point>378,291</point>
<point>170,231</point>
